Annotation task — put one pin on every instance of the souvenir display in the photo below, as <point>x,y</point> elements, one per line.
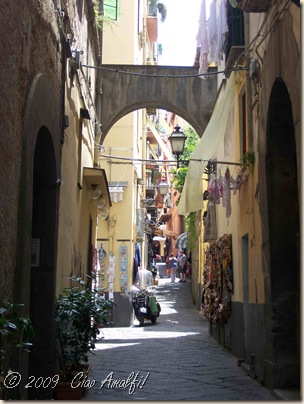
<point>217,281</point>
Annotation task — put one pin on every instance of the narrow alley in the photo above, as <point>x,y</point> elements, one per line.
<point>175,359</point>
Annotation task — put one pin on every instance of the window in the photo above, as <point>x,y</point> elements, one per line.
<point>111,9</point>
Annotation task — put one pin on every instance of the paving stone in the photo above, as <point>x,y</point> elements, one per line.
<point>177,356</point>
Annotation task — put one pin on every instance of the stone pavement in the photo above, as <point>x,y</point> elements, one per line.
<point>174,359</point>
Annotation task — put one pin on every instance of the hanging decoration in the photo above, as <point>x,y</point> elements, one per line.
<point>217,281</point>
<point>101,266</point>
<point>123,258</point>
<point>111,273</point>
<point>220,187</point>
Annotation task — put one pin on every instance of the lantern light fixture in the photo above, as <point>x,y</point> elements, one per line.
<point>177,140</point>
<point>103,213</point>
<point>100,202</point>
<point>163,187</point>
<point>94,192</point>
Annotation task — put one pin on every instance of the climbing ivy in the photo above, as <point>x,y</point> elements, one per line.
<point>191,228</point>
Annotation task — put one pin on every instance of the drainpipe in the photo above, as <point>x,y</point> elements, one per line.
<point>145,33</point>
<point>144,194</point>
<point>248,85</point>
<point>98,93</point>
<point>64,55</point>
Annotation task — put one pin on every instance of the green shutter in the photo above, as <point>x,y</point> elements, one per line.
<point>111,9</point>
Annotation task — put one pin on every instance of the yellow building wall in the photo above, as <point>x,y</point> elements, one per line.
<point>120,228</point>
<point>121,46</point>
<point>245,216</point>
<point>75,208</point>
<point>120,38</point>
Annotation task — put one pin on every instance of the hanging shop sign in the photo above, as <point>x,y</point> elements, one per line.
<point>217,281</point>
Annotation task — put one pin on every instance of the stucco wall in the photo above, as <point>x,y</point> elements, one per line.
<point>27,30</point>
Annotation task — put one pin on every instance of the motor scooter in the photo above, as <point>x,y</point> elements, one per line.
<point>145,304</point>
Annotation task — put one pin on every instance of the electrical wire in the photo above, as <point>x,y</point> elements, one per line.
<point>168,162</point>
<point>170,76</point>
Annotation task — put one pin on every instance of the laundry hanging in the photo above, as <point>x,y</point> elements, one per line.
<point>209,220</point>
<point>213,136</point>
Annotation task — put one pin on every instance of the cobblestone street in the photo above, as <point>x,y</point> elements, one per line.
<point>175,359</point>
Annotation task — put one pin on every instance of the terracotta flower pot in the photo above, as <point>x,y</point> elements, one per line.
<point>64,391</point>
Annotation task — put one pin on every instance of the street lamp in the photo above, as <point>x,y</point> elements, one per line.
<point>163,187</point>
<point>177,140</point>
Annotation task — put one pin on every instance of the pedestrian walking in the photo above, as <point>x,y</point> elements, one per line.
<point>183,266</point>
<point>172,266</point>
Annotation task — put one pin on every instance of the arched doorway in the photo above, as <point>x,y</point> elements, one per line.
<point>283,217</point>
<point>43,261</point>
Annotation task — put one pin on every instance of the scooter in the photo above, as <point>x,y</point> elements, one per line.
<point>145,304</point>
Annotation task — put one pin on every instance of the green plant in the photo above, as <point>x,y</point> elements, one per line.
<point>179,175</point>
<point>16,335</point>
<point>191,228</point>
<point>249,158</point>
<point>80,312</point>
<point>100,17</point>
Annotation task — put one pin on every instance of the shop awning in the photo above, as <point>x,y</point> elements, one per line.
<point>169,233</point>
<point>157,238</point>
<point>181,241</point>
<point>192,196</point>
<point>97,176</point>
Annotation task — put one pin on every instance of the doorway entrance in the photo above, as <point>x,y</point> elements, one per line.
<point>43,262</point>
<point>283,219</point>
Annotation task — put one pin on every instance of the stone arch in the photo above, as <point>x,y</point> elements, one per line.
<point>277,79</point>
<point>35,286</point>
<point>190,97</point>
<point>283,272</point>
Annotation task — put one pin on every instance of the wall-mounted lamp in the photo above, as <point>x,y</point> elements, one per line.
<point>94,192</point>
<point>76,57</point>
<point>103,213</point>
<point>100,202</point>
<point>177,140</point>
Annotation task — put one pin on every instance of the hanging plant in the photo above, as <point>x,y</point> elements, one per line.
<point>100,18</point>
<point>249,158</point>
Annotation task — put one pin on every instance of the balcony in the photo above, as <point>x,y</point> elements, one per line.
<point>253,6</point>
<point>236,36</point>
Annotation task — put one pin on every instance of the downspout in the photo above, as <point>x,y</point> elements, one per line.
<point>98,131</point>
<point>248,85</point>
<point>64,55</point>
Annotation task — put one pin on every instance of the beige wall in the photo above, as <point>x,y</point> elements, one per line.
<point>125,138</point>
<point>245,217</point>
<point>120,41</point>
<point>76,210</point>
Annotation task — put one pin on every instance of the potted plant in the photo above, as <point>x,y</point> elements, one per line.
<point>80,312</point>
<point>16,335</point>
